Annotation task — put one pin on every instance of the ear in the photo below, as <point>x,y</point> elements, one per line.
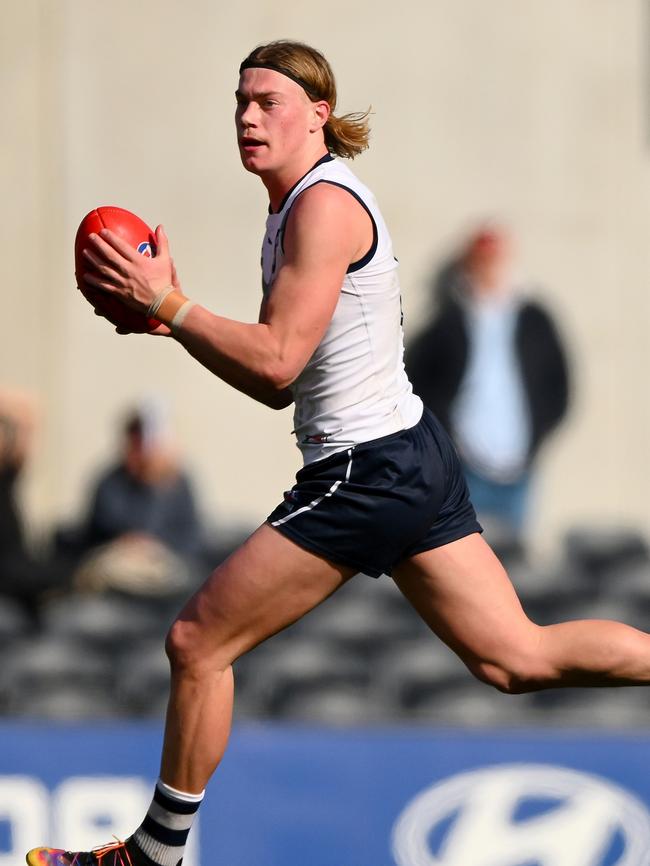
<point>320,114</point>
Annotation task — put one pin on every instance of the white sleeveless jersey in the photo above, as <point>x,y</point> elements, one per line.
<point>354,387</point>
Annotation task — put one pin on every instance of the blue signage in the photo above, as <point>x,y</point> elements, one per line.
<point>293,796</point>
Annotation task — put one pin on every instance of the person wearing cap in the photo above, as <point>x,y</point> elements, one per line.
<point>382,489</point>
<point>493,368</point>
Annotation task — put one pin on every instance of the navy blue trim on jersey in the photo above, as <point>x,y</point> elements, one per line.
<point>368,257</point>
<point>364,260</point>
<point>327,158</point>
<point>377,503</point>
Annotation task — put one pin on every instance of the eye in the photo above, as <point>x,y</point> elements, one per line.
<point>269,103</point>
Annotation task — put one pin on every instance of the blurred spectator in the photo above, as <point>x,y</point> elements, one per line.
<point>22,576</point>
<point>142,531</point>
<point>492,367</point>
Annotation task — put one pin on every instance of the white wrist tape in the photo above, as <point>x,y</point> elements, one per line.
<point>154,306</point>
<point>179,317</point>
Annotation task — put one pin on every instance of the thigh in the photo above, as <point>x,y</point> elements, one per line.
<point>265,585</point>
<point>463,593</point>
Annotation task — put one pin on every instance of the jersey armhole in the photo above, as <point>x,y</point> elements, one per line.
<point>368,257</point>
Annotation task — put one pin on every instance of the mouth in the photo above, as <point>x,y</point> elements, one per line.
<point>249,144</point>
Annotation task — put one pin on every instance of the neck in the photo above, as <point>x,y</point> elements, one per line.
<point>279,182</point>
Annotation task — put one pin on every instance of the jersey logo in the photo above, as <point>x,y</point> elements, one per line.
<point>316,439</point>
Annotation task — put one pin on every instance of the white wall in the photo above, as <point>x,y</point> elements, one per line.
<point>530,111</point>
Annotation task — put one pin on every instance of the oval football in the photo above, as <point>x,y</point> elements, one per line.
<point>137,234</point>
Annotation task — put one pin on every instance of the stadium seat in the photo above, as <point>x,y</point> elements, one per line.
<point>246,708</point>
<point>103,620</point>
<point>334,704</point>
<point>362,625</point>
<point>470,705</point>
<point>409,671</point>
<point>49,663</point>
<point>508,547</point>
<point>546,593</point>
<point>275,677</point>
<point>594,708</point>
<point>599,552</point>
<point>632,582</point>
<point>380,593</point>
<point>14,621</point>
<point>622,608</point>
<point>142,679</point>
<point>67,703</point>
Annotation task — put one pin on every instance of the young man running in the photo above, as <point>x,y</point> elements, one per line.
<point>381,490</point>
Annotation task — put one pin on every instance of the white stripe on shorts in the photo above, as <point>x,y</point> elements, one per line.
<point>315,502</point>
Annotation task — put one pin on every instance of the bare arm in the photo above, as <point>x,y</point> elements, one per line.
<point>327,229</point>
<point>219,345</point>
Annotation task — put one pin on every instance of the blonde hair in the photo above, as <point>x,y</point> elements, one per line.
<point>345,136</point>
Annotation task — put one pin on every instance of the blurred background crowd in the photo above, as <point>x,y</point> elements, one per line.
<point>84,609</point>
<point>510,159</point>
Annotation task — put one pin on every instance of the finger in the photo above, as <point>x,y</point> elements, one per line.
<point>102,268</point>
<point>160,331</point>
<point>117,245</point>
<point>175,281</point>
<point>162,242</point>
<point>107,282</point>
<point>107,254</point>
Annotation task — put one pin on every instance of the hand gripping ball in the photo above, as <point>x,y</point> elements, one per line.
<point>136,233</point>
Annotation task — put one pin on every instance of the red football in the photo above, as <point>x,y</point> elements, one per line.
<point>136,233</point>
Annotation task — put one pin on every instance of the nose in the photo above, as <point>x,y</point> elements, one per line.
<point>248,116</point>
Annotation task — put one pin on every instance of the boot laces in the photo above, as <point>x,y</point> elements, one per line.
<point>121,856</point>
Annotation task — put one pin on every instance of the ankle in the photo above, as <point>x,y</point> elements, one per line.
<point>160,839</point>
<point>137,855</point>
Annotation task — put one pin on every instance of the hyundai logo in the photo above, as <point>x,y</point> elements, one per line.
<point>523,815</point>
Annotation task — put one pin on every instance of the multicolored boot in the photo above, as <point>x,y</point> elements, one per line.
<point>115,854</point>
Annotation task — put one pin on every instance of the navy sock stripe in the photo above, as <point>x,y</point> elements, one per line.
<point>140,858</point>
<point>180,807</point>
<point>173,838</point>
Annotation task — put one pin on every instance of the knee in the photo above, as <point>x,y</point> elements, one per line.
<point>182,644</point>
<point>521,670</point>
<point>189,651</point>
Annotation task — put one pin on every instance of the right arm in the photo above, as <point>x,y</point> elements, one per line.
<point>327,229</point>
<point>199,342</point>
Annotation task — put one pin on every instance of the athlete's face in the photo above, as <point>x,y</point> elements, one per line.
<point>275,120</point>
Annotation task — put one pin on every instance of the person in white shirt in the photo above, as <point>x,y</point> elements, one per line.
<point>492,366</point>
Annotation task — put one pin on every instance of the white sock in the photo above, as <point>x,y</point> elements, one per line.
<point>163,833</point>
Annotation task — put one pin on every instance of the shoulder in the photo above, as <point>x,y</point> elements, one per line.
<point>450,313</point>
<point>325,212</point>
<point>535,314</point>
<point>113,476</point>
<point>324,198</point>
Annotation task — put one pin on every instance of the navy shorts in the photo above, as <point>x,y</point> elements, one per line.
<point>376,503</point>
